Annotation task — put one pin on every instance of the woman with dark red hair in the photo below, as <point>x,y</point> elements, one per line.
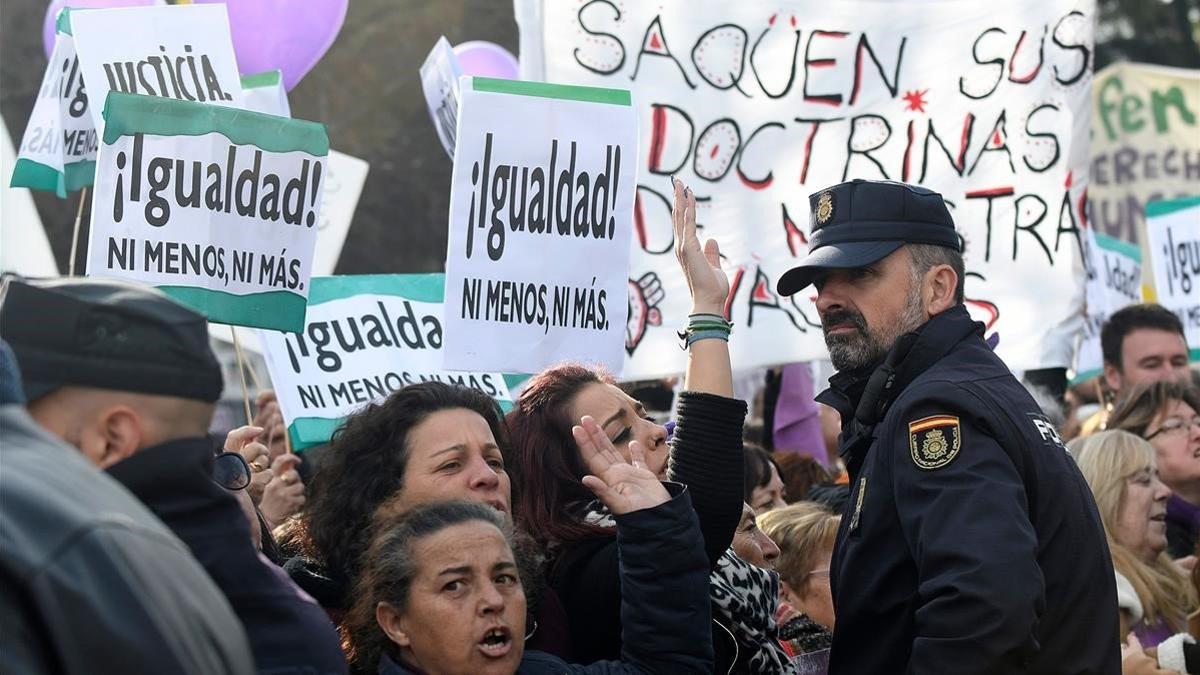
<point>705,454</point>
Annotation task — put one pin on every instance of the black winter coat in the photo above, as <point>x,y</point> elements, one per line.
<point>971,543</point>
<point>706,456</point>
<point>289,633</point>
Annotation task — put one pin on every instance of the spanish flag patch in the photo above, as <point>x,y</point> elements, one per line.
<point>934,441</point>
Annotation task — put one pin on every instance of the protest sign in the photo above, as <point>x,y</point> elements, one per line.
<point>364,337</point>
<point>216,206</point>
<point>1173,237</point>
<point>264,93</point>
<point>541,205</point>
<point>343,187</point>
<point>439,81</point>
<point>24,247</point>
<point>1114,280</point>
<point>1145,143</point>
<point>757,107</point>
<point>58,151</point>
<point>182,52</point>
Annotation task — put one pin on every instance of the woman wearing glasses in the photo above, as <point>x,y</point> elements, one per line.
<point>805,533</point>
<point>1168,415</point>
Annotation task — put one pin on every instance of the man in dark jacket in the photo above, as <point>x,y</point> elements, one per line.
<point>91,581</point>
<point>971,543</point>
<point>126,375</point>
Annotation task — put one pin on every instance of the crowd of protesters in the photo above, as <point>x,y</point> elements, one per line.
<point>578,532</point>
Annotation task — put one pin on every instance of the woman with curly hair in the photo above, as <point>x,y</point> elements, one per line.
<point>705,453</point>
<point>425,442</point>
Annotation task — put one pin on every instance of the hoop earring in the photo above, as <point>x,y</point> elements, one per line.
<point>531,633</point>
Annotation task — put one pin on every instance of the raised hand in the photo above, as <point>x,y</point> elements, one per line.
<point>284,494</point>
<point>243,440</point>
<point>624,487</point>
<point>707,282</point>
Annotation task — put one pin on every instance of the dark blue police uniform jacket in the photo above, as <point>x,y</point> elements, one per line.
<point>971,543</point>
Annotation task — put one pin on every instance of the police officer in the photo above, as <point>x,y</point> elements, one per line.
<point>971,543</point>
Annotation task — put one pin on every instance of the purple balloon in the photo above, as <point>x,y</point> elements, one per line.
<point>286,35</point>
<point>56,6</point>
<point>486,59</point>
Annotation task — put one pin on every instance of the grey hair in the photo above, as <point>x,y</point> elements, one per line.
<point>925,257</point>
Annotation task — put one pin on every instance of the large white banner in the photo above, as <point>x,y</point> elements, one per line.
<point>757,105</point>
<point>1173,237</point>
<point>216,206</point>
<point>182,52</point>
<point>541,215</point>
<point>364,337</point>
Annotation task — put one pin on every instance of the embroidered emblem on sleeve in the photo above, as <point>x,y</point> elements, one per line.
<point>934,441</point>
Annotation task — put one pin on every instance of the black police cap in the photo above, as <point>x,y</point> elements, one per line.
<point>107,334</point>
<point>861,222</point>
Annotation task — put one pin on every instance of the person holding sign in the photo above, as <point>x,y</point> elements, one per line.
<point>973,544</point>
<point>705,454</point>
<point>442,591</point>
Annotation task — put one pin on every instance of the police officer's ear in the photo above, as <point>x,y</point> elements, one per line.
<point>940,284</point>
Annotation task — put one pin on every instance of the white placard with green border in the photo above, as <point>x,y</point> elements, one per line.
<point>58,150</point>
<point>541,220</point>
<point>1114,280</point>
<point>1173,237</point>
<point>183,52</point>
<point>365,337</point>
<point>216,206</point>
<point>265,93</point>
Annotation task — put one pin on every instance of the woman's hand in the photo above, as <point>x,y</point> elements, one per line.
<point>624,487</point>
<point>270,418</point>
<point>706,280</point>
<point>242,440</point>
<point>284,494</point>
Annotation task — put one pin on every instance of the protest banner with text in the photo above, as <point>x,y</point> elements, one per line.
<point>1173,237</point>
<point>1114,280</point>
<point>216,206</point>
<point>541,206</point>
<point>58,150</point>
<point>183,52</point>
<point>758,106</point>
<point>1145,144</point>
<point>364,337</point>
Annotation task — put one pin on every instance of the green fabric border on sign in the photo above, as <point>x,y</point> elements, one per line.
<point>1155,209</point>
<point>30,174</point>
<point>1085,376</point>
<point>1119,246</point>
<point>416,287</point>
<point>129,114</point>
<point>1194,355</point>
<point>275,310</point>
<point>35,175</point>
<point>307,432</point>
<point>268,78</point>
<point>567,92</point>
<point>63,23</point>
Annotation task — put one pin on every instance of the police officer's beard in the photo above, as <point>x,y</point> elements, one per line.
<point>865,346</point>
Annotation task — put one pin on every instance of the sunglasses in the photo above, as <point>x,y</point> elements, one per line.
<point>231,472</point>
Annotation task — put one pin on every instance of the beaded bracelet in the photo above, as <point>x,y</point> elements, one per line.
<point>704,327</point>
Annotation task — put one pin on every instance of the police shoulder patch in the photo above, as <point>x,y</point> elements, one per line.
<point>934,441</point>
